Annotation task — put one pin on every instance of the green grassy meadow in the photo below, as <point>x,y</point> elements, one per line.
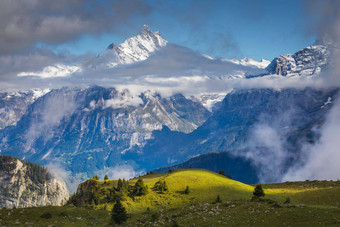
<point>312,203</point>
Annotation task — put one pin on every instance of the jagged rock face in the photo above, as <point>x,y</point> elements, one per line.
<point>13,105</point>
<point>90,129</point>
<point>306,62</point>
<point>22,186</point>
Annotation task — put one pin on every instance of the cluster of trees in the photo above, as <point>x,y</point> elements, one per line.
<point>161,186</point>
<point>149,172</point>
<point>123,189</point>
<point>119,214</point>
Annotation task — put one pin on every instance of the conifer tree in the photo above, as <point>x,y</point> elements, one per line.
<point>125,185</point>
<point>218,199</point>
<point>258,191</point>
<point>106,177</point>
<point>120,185</point>
<point>119,214</point>
<point>140,188</point>
<point>221,172</point>
<point>187,190</point>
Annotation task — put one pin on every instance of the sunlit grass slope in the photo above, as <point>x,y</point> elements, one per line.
<point>204,187</point>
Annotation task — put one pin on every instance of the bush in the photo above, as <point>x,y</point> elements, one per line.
<point>258,191</point>
<point>119,214</point>
<point>63,214</point>
<point>287,201</point>
<point>161,186</point>
<point>46,215</point>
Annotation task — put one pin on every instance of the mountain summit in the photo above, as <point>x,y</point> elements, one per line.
<point>134,49</point>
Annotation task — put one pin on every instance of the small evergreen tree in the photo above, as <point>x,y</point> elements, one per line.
<point>95,178</point>
<point>119,214</point>
<point>221,172</point>
<point>120,185</point>
<point>187,190</point>
<point>126,185</point>
<point>218,199</point>
<point>140,188</point>
<point>106,177</point>
<point>258,191</point>
<point>170,171</point>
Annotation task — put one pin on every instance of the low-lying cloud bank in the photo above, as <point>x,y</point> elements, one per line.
<point>322,158</point>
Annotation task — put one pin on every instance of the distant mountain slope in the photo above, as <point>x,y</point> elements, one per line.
<point>13,105</point>
<point>93,128</point>
<point>25,184</point>
<point>291,114</point>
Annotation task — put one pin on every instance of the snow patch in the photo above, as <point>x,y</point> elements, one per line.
<point>249,62</point>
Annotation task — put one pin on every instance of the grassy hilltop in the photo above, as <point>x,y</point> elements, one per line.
<point>314,203</point>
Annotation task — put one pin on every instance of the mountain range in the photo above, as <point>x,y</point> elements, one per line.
<point>91,129</point>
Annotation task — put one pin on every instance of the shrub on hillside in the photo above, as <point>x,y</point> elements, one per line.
<point>46,215</point>
<point>161,186</point>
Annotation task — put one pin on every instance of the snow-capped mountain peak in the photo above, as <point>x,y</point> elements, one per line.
<point>133,49</point>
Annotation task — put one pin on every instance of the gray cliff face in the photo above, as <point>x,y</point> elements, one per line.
<point>25,184</point>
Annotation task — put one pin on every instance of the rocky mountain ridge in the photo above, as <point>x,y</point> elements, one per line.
<point>24,184</point>
<point>93,128</point>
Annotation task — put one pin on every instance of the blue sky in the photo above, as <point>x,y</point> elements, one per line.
<point>228,29</point>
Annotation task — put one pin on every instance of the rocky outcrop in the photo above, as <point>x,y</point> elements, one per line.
<point>24,184</point>
<point>306,62</point>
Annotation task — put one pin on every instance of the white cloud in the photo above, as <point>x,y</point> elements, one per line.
<point>322,158</point>
<point>56,70</point>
